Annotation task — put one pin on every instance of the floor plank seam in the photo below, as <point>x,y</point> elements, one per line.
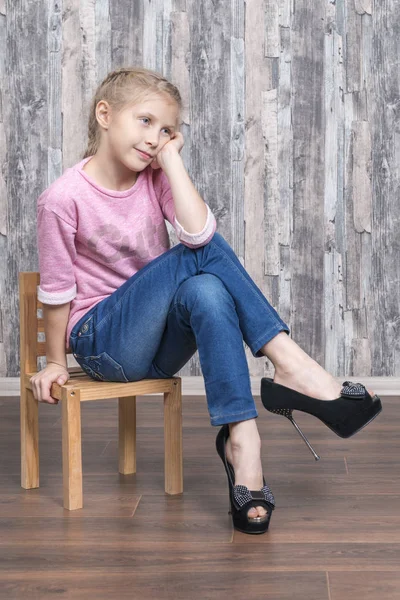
<point>105,448</point>
<point>328,585</point>
<point>137,504</point>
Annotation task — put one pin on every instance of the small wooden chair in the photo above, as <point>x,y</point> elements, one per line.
<point>81,388</point>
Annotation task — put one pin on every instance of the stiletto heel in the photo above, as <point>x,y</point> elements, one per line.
<point>241,499</point>
<point>287,412</point>
<point>345,416</point>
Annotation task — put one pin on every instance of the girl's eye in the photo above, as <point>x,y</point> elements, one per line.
<point>147,119</point>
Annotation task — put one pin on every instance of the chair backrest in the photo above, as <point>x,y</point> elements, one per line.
<point>31,324</point>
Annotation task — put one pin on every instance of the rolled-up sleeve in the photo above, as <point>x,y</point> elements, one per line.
<point>57,254</point>
<point>192,240</point>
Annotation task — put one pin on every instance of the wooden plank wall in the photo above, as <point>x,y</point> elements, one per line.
<point>292,129</point>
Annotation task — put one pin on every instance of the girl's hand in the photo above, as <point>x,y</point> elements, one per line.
<point>174,146</point>
<point>42,382</point>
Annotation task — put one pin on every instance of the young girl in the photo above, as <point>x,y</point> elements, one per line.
<point>130,307</point>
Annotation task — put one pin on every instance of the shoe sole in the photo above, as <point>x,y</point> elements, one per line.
<point>376,410</point>
<point>251,532</point>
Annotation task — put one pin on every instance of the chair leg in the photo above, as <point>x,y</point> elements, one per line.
<point>127,435</point>
<point>29,418</point>
<point>173,439</point>
<point>72,452</point>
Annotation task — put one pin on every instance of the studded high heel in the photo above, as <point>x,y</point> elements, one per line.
<point>241,498</point>
<point>345,416</point>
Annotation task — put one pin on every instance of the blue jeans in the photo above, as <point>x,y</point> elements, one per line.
<point>184,300</point>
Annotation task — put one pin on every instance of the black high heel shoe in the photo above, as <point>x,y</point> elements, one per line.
<point>241,498</point>
<point>345,416</point>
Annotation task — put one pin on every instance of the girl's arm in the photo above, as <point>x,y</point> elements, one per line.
<point>190,208</point>
<point>55,327</point>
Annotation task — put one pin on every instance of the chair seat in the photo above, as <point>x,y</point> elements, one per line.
<point>87,388</point>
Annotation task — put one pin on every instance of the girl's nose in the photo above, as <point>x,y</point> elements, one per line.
<point>153,141</point>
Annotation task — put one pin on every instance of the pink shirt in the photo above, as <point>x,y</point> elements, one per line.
<point>91,239</point>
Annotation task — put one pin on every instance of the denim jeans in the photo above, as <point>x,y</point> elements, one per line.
<point>184,300</point>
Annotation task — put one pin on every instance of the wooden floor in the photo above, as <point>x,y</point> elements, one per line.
<point>335,534</point>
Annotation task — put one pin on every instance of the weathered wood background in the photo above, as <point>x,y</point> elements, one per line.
<point>292,129</point>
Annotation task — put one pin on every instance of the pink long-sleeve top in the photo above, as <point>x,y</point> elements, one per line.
<point>91,239</point>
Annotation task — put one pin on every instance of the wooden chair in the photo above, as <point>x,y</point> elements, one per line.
<point>81,388</point>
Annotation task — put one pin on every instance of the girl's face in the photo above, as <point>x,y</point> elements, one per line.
<point>145,127</point>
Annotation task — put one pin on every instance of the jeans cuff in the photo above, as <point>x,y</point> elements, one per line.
<point>234,418</point>
<point>267,337</point>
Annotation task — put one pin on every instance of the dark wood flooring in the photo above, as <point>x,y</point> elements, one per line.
<point>335,534</point>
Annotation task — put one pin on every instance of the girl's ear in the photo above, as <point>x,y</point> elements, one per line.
<point>103,113</point>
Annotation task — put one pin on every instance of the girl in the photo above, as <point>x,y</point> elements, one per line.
<point>130,307</point>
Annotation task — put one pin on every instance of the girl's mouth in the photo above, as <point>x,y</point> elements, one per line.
<point>144,155</point>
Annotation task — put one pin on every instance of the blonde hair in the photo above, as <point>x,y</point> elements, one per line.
<point>123,87</point>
